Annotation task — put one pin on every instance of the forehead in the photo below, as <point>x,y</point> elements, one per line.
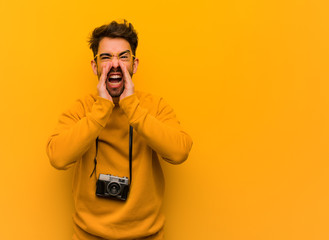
<point>113,45</point>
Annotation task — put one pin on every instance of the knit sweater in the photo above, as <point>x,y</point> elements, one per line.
<point>157,135</point>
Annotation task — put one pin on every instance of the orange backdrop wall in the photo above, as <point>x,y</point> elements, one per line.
<point>247,79</point>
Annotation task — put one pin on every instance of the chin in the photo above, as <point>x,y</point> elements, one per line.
<point>115,93</point>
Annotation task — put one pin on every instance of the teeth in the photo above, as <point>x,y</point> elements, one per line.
<point>115,77</point>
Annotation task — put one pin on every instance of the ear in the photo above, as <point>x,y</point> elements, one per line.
<point>94,66</point>
<point>135,65</point>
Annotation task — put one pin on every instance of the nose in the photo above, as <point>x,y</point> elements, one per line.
<point>115,62</point>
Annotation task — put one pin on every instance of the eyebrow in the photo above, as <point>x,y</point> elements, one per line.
<point>109,54</point>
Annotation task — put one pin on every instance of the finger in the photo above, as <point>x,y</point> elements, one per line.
<point>105,70</point>
<point>126,75</point>
<point>109,66</point>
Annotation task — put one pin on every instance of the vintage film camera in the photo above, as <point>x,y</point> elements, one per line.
<point>110,186</point>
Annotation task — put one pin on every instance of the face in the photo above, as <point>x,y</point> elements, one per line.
<point>113,50</point>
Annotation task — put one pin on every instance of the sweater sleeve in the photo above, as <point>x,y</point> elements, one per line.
<point>162,132</point>
<point>76,131</point>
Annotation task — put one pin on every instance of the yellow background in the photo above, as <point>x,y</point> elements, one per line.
<point>247,79</point>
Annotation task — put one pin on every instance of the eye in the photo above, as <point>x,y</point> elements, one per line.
<point>105,57</point>
<point>124,56</point>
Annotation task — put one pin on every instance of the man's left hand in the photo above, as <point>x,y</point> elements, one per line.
<point>129,87</point>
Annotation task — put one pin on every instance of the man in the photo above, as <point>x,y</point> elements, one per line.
<point>94,137</point>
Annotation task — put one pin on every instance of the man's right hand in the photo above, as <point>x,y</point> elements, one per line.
<point>101,86</point>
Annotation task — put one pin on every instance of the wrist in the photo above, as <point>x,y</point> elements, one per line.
<point>101,110</point>
<point>129,105</point>
<point>105,96</point>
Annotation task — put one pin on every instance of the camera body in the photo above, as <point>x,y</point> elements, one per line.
<point>110,186</point>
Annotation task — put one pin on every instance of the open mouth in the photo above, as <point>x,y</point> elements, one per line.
<point>114,80</point>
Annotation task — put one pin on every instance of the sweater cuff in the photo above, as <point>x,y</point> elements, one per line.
<point>101,110</point>
<point>130,106</point>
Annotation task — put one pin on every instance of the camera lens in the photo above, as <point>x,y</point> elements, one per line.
<point>113,188</point>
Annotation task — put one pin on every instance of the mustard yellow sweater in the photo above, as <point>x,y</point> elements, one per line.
<point>157,134</point>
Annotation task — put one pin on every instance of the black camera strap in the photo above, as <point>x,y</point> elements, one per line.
<point>130,154</point>
<point>95,160</point>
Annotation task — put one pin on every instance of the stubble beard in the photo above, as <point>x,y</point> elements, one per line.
<point>114,93</point>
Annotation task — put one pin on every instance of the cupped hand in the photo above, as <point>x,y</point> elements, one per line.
<point>128,83</point>
<point>101,86</point>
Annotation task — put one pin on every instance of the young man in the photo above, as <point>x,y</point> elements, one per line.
<point>94,137</point>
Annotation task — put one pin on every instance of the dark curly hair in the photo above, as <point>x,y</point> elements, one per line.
<point>123,30</point>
